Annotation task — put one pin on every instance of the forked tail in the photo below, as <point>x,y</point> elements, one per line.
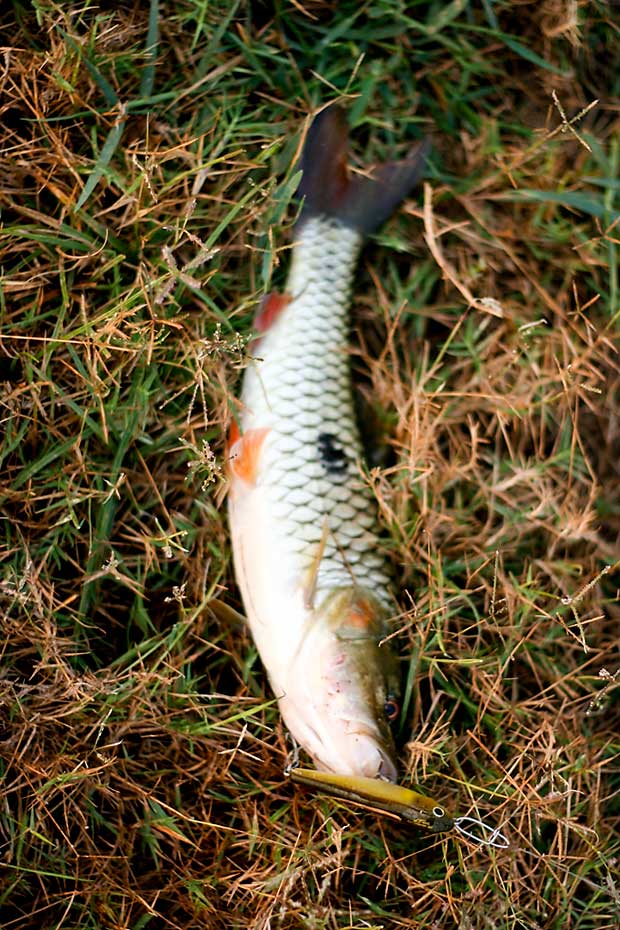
<point>361,203</point>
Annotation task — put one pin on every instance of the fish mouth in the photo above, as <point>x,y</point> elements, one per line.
<point>337,745</point>
<point>368,754</point>
<point>387,770</point>
<point>368,760</point>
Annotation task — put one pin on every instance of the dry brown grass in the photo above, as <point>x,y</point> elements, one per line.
<point>141,752</point>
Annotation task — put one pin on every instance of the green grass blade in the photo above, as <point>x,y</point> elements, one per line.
<point>103,160</point>
<point>102,83</point>
<point>148,75</point>
<point>574,200</point>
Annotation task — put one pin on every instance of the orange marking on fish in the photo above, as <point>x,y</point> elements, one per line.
<point>244,452</point>
<point>234,433</point>
<point>361,615</point>
<point>271,306</point>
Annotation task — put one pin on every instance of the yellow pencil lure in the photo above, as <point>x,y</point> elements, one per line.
<point>406,803</point>
<point>384,795</point>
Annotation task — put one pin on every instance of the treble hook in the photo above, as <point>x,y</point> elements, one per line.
<point>494,837</point>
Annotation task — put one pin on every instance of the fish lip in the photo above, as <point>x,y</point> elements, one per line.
<point>387,768</point>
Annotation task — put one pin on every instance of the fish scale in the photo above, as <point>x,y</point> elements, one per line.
<point>300,388</point>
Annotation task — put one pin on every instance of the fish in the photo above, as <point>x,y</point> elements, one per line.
<point>316,588</point>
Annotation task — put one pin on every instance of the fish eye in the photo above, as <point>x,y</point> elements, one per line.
<point>391,709</point>
<point>438,812</point>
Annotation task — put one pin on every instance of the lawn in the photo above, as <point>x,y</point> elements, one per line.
<point>147,178</point>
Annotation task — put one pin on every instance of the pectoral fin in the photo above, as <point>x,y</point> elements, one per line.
<point>244,452</point>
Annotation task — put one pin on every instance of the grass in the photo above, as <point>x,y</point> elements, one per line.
<point>146,186</point>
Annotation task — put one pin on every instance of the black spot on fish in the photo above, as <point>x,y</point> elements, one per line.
<point>332,454</point>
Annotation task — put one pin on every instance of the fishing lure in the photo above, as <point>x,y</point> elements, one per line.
<point>383,795</point>
<point>394,799</point>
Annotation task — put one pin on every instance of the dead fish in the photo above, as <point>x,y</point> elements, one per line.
<point>315,586</point>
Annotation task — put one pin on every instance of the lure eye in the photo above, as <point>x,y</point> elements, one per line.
<point>391,709</point>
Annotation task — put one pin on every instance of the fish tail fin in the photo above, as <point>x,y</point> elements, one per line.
<point>327,188</point>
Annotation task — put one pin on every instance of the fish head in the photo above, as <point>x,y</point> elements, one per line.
<point>343,686</point>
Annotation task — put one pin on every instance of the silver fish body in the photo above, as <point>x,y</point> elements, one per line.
<point>300,390</point>
<point>303,520</point>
